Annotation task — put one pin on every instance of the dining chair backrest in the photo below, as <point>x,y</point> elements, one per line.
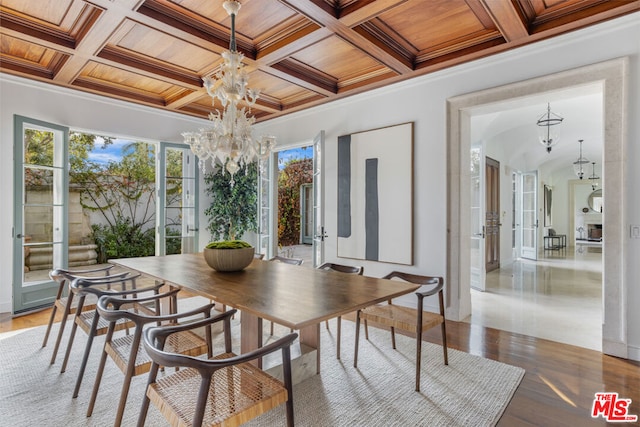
<point>65,303</point>
<point>347,269</point>
<point>350,269</point>
<point>228,389</point>
<point>410,319</point>
<point>90,321</point>
<point>285,260</point>
<point>126,351</point>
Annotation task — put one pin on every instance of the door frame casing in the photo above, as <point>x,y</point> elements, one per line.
<point>613,76</point>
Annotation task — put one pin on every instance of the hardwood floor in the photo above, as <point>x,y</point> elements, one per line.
<point>557,390</point>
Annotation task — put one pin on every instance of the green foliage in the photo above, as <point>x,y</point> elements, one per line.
<point>122,240</point>
<point>228,244</point>
<point>295,173</point>
<point>122,192</point>
<point>233,210</point>
<point>122,189</point>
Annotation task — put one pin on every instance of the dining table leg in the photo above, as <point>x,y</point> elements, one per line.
<point>250,334</point>
<point>310,336</point>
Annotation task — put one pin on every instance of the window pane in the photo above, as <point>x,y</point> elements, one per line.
<point>38,147</point>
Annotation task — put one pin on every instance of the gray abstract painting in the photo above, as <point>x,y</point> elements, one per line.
<point>375,188</point>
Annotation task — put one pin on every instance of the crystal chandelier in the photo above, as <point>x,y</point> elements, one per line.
<point>548,133</point>
<point>578,165</point>
<point>229,139</point>
<point>594,178</point>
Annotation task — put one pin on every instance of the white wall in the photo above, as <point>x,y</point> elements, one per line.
<point>421,100</point>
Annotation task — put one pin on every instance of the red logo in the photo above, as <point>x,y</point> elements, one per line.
<point>612,408</point>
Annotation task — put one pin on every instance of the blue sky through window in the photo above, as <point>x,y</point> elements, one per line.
<point>294,153</point>
<point>112,152</point>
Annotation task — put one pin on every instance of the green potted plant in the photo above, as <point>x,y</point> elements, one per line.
<point>232,213</point>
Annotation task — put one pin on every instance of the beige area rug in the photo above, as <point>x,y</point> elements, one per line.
<point>470,391</point>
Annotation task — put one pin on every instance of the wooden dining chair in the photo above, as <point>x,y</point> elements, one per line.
<point>127,352</point>
<point>91,322</point>
<point>285,260</point>
<point>348,269</point>
<point>292,261</point>
<point>414,320</point>
<point>224,390</point>
<point>64,300</point>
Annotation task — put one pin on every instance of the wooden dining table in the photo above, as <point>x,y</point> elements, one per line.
<point>293,296</point>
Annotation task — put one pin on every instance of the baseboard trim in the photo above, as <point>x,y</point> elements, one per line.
<point>615,348</point>
<point>634,353</point>
<point>5,307</point>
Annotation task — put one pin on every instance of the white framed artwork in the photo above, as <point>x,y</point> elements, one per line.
<point>375,195</point>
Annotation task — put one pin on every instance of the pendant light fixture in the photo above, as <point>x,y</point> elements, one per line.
<point>548,132</point>
<point>229,139</point>
<point>594,178</point>
<point>578,165</point>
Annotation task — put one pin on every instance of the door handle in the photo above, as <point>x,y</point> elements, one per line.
<point>191,229</point>
<point>322,235</point>
<point>20,236</point>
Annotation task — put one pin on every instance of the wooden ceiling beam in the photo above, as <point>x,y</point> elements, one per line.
<point>316,13</point>
<point>359,12</point>
<point>286,48</point>
<point>89,47</point>
<point>507,19</point>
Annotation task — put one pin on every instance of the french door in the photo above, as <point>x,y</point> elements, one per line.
<point>529,221</point>
<point>40,232</point>
<point>477,226</point>
<point>266,216</point>
<point>177,206</point>
<point>306,214</point>
<point>318,201</point>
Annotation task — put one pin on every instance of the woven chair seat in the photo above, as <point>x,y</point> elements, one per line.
<point>187,343</point>
<point>238,393</point>
<point>86,319</point>
<point>400,317</point>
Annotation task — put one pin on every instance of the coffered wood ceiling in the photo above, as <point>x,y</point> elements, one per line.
<point>300,53</point>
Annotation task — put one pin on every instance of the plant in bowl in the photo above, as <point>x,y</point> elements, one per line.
<point>228,255</point>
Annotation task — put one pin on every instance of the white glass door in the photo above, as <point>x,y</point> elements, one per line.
<point>40,210</point>
<point>529,229</point>
<point>318,201</point>
<point>477,261</point>
<point>177,211</point>
<point>516,214</point>
<point>266,191</point>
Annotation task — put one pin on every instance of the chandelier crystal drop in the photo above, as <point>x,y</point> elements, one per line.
<point>229,139</point>
<point>548,133</point>
<point>578,165</point>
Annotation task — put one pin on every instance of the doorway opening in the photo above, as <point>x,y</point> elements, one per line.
<point>295,202</point>
<point>611,76</point>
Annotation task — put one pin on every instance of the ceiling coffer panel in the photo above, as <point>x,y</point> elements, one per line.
<point>299,53</point>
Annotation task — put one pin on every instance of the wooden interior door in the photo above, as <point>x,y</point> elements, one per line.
<point>492,214</point>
